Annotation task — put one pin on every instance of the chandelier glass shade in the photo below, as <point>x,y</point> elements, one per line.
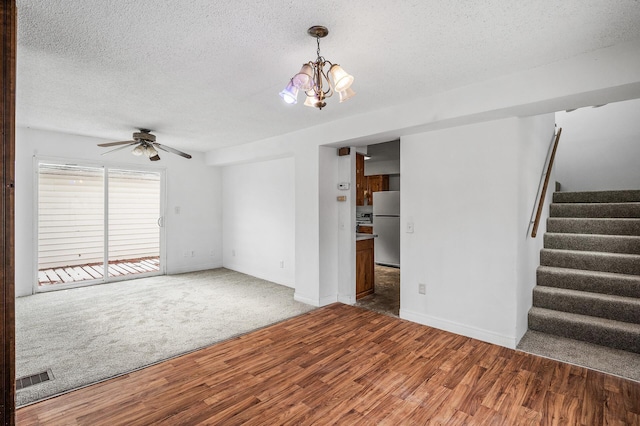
<point>316,83</point>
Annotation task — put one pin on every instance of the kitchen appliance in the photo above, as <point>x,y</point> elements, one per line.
<point>386,224</point>
<point>363,218</point>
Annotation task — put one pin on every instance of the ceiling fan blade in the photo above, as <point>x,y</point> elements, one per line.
<point>116,143</point>
<point>154,158</point>
<point>121,147</point>
<point>172,150</point>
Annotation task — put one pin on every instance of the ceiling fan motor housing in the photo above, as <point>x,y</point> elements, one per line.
<point>144,136</point>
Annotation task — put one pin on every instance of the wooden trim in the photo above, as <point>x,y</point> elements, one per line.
<point>344,151</point>
<point>534,232</point>
<point>7,285</point>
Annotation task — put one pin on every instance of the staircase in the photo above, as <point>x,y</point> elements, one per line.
<point>588,282</point>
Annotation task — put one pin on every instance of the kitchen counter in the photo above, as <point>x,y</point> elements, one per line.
<point>362,237</point>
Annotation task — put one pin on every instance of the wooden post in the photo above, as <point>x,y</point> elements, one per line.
<point>7,286</point>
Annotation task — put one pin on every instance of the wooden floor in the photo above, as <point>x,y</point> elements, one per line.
<point>345,365</point>
<point>71,274</point>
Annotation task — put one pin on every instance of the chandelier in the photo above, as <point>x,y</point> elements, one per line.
<point>315,82</point>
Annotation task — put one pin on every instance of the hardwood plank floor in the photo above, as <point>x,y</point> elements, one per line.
<point>344,365</point>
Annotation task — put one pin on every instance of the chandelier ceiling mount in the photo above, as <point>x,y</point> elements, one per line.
<point>318,31</point>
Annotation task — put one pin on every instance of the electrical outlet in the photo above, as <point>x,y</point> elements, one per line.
<point>282,263</point>
<point>233,253</point>
<point>422,289</point>
<point>193,253</point>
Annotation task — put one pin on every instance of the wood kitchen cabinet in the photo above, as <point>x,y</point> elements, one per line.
<point>364,229</point>
<point>361,183</point>
<point>367,185</point>
<point>364,268</point>
<point>376,183</point>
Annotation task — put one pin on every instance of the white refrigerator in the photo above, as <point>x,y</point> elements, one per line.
<point>386,224</point>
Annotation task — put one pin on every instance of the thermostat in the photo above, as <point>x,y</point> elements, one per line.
<point>343,186</point>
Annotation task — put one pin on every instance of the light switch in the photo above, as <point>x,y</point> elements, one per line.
<point>410,227</point>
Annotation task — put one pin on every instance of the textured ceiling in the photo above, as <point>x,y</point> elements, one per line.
<point>205,74</point>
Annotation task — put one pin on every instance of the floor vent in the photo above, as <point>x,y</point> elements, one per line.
<point>34,379</point>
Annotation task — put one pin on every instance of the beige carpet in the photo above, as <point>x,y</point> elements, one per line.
<point>90,334</point>
<point>608,360</point>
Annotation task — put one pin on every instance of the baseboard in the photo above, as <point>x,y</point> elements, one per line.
<point>347,300</point>
<point>194,268</point>
<point>286,281</point>
<point>457,328</point>
<point>307,300</point>
<point>324,301</point>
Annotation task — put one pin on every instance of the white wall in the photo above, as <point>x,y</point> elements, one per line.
<point>394,182</point>
<point>258,219</point>
<point>599,148</point>
<point>461,188</point>
<point>191,185</point>
<point>535,135</point>
<point>605,75</point>
<point>328,215</point>
<point>346,223</point>
<point>385,167</point>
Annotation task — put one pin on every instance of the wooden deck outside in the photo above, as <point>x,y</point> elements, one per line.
<point>71,274</point>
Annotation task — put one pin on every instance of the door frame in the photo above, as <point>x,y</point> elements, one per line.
<point>9,17</point>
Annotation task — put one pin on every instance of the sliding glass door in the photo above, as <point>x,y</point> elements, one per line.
<point>70,223</point>
<point>134,222</point>
<point>96,224</point>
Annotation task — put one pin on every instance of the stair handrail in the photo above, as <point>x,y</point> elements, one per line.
<point>547,175</point>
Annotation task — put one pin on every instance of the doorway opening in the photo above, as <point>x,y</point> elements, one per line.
<point>96,224</point>
<point>378,213</point>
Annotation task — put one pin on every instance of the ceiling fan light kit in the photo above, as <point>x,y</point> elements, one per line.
<point>315,82</point>
<point>145,144</point>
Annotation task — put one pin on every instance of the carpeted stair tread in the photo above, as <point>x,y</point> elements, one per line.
<point>609,210</point>
<point>620,263</point>
<point>588,282</point>
<point>605,226</point>
<point>623,196</point>
<point>591,281</point>
<point>601,358</point>
<point>629,244</point>
<point>617,308</point>
<point>601,331</point>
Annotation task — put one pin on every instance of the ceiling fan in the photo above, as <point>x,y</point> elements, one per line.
<point>145,143</point>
